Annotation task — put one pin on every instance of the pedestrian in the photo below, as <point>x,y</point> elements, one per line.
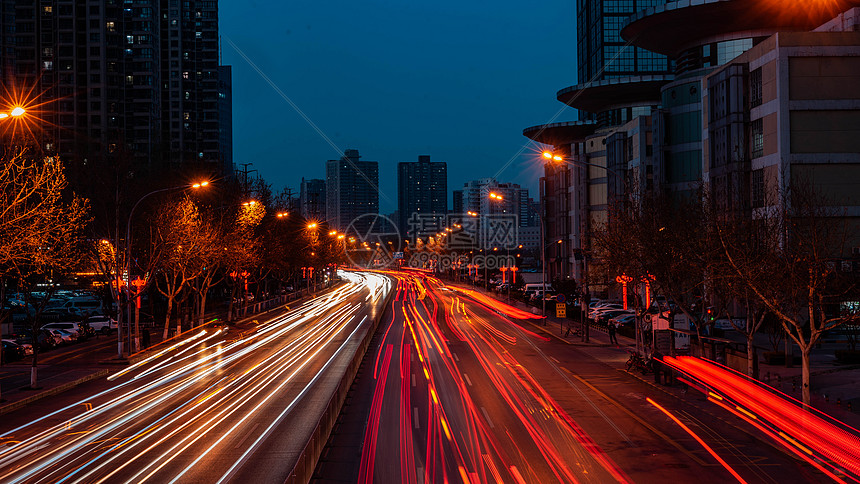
<point>612,338</point>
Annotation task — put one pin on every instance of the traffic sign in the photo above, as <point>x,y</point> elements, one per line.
<point>559,298</point>
<point>560,310</point>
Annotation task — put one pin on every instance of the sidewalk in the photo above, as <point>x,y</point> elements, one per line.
<point>835,391</point>
<point>95,359</point>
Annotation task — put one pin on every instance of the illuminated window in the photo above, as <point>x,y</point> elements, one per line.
<point>757,138</point>
<point>755,88</point>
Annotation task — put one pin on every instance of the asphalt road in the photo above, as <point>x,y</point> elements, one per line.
<point>215,407</point>
<point>461,388</point>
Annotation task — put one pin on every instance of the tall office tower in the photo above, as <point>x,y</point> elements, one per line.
<point>352,193</point>
<point>422,196</point>
<point>605,59</point>
<point>136,80</point>
<point>312,199</point>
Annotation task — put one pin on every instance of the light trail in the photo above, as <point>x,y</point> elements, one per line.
<point>817,438</point>
<point>459,443</point>
<point>150,424</point>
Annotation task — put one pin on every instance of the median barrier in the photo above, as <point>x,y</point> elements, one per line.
<point>307,460</point>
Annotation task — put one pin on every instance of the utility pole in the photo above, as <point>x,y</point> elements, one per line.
<point>245,171</point>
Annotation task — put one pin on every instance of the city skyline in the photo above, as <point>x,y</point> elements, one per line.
<point>395,90</point>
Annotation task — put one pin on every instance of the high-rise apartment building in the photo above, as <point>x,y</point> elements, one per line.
<point>137,80</point>
<point>352,193</point>
<point>225,115</point>
<point>422,196</point>
<point>312,199</point>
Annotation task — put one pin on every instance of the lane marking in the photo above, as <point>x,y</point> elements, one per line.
<point>247,434</point>
<point>413,379</point>
<point>487,416</point>
<point>641,421</point>
<point>415,417</point>
<point>555,360</point>
<point>455,356</point>
<point>466,377</point>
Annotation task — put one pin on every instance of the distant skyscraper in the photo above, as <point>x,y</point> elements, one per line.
<point>457,202</point>
<point>137,80</point>
<point>498,218</point>
<point>422,196</point>
<point>312,199</point>
<point>352,192</point>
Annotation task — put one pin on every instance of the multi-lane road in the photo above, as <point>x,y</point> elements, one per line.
<point>467,389</point>
<point>459,388</point>
<point>216,406</point>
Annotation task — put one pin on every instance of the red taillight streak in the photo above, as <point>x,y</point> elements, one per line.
<point>698,439</point>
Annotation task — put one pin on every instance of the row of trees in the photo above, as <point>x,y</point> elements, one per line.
<point>184,243</point>
<point>782,261</point>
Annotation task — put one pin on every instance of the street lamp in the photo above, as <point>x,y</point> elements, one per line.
<point>282,214</point>
<point>557,158</point>
<point>17,111</point>
<point>195,186</point>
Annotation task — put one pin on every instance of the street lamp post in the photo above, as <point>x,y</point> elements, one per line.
<point>120,308</point>
<point>557,158</point>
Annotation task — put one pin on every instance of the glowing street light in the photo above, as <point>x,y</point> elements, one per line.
<point>496,196</point>
<point>471,213</point>
<point>333,233</point>
<point>282,214</point>
<point>17,111</point>
<point>312,225</point>
<point>196,186</point>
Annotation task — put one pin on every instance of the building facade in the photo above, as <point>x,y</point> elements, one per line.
<point>422,197</point>
<point>312,199</point>
<point>137,80</point>
<point>352,193</point>
<point>660,130</point>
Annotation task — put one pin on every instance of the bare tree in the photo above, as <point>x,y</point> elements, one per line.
<point>40,229</point>
<point>790,262</point>
<point>180,239</point>
<point>663,240</point>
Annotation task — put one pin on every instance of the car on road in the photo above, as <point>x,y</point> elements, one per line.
<point>101,324</point>
<point>12,351</point>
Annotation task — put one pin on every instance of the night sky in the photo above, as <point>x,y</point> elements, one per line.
<point>396,79</point>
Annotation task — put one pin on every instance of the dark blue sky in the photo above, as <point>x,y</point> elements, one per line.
<point>396,79</point>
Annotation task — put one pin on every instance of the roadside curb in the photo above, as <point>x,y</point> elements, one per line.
<point>53,391</point>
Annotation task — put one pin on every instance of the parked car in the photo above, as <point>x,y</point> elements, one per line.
<point>66,337</point>
<point>605,316</point>
<point>48,340</point>
<point>83,306</point>
<point>26,346</point>
<point>12,351</point>
<point>79,329</point>
<point>624,320</point>
<point>101,323</point>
